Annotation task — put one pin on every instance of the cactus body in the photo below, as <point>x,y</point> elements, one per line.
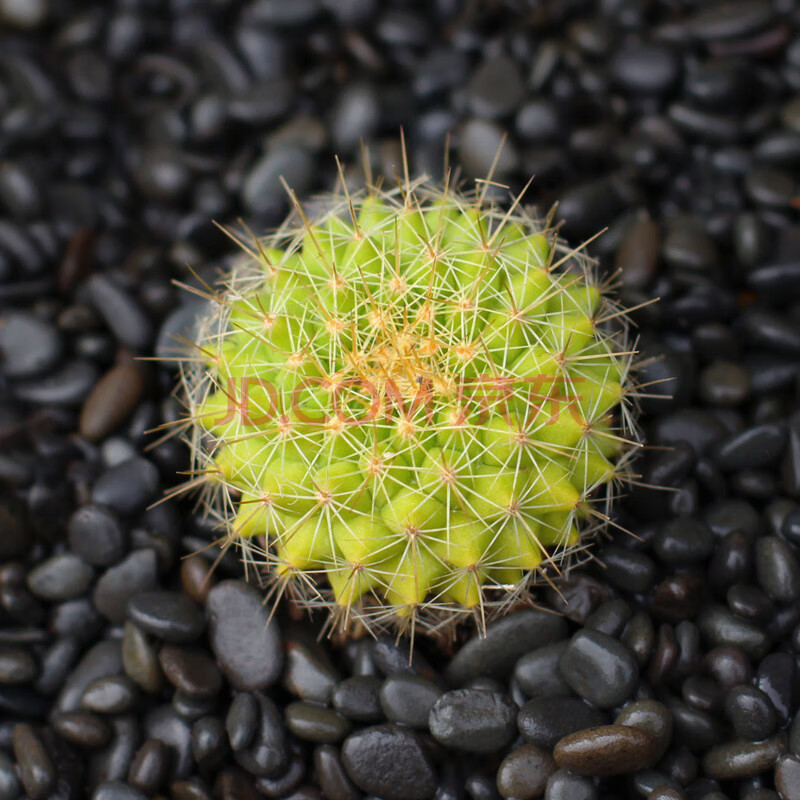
<point>411,407</point>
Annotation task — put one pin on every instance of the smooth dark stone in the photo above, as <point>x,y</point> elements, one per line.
<point>165,725</point>
<point>523,773</point>
<point>645,68</point>
<point>103,659</point>
<point>10,788</point>
<point>306,674</point>
<point>332,776</point>
<point>262,191</point>
<point>473,720</point>
<point>111,401</point>
<point>117,790</point>
<point>750,713</point>
<point>599,668</point>
<point>771,330</point>
<point>637,255</point>
<point>777,569</point>
<point>639,637</point>
<point>564,784</point>
<point>170,616</point>
<point>495,88</point>
<point>606,750</point>
<point>17,666</point>
<point>505,642</point>
<point>479,143</point>
<point>150,767</point>
<point>787,777</point>
<point>136,574</point>
<point>280,786</point>
<point>741,759</point>
<point>653,718</point>
<point>110,694</point>
<point>97,537</point>
<point>209,742</point>
<point>241,722</point>
<point>776,677</point>
<point>355,114</point>
<point>60,577</point>
<point>68,386</point>
<point>696,729</point>
<point>408,699</point>
<point>312,722</point>
<point>267,754</point>
<point>358,699</point>
<point>391,762</point>
<point>538,673</point>
<point>684,541</point>
<point>127,487</point>
<point>124,317</point>
<point>752,448</point>
<point>719,626</point>
<point>190,670</point>
<point>729,20</point>
<point>544,720</point>
<point>244,638</point>
<point>37,771</point>
<point>82,728</point>
<point>609,617</point>
<point>29,346</point>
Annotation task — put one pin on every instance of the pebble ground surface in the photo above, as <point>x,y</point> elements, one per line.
<point>671,669</point>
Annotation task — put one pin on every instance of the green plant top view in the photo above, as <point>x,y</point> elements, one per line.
<point>410,409</point>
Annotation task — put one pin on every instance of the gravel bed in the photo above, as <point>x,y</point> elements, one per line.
<point>666,668</point>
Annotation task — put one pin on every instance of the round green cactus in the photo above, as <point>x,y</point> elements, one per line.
<point>410,408</point>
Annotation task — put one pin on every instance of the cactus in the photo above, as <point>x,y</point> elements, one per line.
<point>411,409</point>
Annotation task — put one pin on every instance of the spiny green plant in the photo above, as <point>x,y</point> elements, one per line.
<point>411,408</point>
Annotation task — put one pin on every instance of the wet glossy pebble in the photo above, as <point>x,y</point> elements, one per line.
<point>209,742</point>
<point>787,777</point>
<point>358,699</point>
<point>312,722</point>
<point>123,315</point>
<point>628,569</point>
<point>117,790</point>
<point>197,578</point>
<point>190,670</point>
<point>480,141</point>
<point>544,720</point>
<point>111,401</point>
<point>36,769</point>
<point>742,759</point>
<point>750,713</point>
<point>113,694</point>
<point>754,447</point>
<point>135,574</point>
<point>495,88</point>
<point>170,616</point>
<point>606,750</point>
<point>646,69</point>
<point>776,676</point>
<point>241,722</point>
<point>10,788</point>
<point>307,675</point>
<point>391,762</point>
<point>408,699</point>
<point>473,720</point>
<point>719,626</point>
<point>29,346</point>
<point>140,659</point>
<point>127,487</point>
<point>17,666</point>
<point>538,673</point>
<point>599,668</point>
<point>777,569</point>
<point>505,642</point>
<point>523,773</point>
<point>566,785</point>
<point>653,718</point>
<point>244,639</point>
<point>266,755</point>
<point>82,728</point>
<point>150,767</point>
<point>684,541</point>
<point>97,537</point>
<point>60,577</point>
<point>333,778</point>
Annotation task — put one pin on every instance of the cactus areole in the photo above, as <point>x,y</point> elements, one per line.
<point>411,408</point>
